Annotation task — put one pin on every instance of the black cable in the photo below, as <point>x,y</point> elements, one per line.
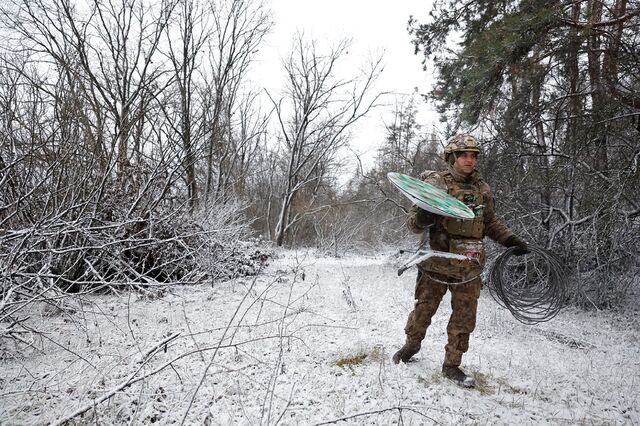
<point>532,287</point>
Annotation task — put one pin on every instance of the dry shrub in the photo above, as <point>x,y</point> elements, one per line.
<point>49,262</point>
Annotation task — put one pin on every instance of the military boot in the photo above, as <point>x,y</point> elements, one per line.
<point>405,353</point>
<point>458,376</point>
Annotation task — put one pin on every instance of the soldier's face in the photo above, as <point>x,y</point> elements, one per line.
<point>465,162</point>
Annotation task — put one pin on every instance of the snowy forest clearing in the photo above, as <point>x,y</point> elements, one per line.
<point>309,341</point>
<point>142,148</point>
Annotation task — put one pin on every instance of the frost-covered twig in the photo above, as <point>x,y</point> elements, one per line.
<point>279,362</point>
<point>131,379</point>
<point>400,409</point>
<point>215,352</point>
<point>155,348</point>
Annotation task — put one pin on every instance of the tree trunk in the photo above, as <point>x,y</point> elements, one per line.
<point>594,56</point>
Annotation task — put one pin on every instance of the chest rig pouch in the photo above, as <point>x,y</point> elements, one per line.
<point>471,196</point>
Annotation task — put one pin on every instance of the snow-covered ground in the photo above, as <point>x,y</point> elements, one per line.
<point>309,341</point>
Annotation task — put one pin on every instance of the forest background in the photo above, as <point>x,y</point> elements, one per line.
<point>133,152</point>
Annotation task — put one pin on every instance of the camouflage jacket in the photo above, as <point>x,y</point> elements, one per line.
<point>460,236</point>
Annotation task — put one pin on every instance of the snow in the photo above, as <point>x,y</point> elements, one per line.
<point>280,337</point>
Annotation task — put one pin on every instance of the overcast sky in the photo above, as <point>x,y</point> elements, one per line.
<point>374,26</point>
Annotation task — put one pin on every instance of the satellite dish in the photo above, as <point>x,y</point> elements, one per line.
<point>429,197</point>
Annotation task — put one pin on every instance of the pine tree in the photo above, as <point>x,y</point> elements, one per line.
<point>552,89</point>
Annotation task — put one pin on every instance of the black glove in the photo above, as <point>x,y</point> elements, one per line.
<point>424,218</point>
<point>519,244</point>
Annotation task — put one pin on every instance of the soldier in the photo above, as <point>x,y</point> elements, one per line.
<point>461,277</point>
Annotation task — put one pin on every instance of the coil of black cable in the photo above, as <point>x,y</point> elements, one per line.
<point>532,287</point>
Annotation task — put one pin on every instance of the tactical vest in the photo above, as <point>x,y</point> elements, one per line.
<point>471,196</point>
<point>461,236</point>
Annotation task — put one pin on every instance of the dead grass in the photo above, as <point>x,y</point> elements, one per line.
<point>376,354</point>
<point>482,383</point>
<point>352,360</point>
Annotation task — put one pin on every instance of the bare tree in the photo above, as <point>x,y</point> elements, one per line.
<point>239,26</point>
<point>184,52</point>
<point>92,157</point>
<point>247,135</point>
<point>314,116</point>
<point>407,148</point>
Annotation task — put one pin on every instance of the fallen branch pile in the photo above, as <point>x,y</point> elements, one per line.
<point>52,261</point>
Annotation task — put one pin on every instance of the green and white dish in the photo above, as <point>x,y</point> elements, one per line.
<point>429,197</point>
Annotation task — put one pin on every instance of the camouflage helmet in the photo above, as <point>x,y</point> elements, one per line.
<point>460,143</point>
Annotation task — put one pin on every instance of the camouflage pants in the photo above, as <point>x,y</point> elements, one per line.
<point>464,303</point>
